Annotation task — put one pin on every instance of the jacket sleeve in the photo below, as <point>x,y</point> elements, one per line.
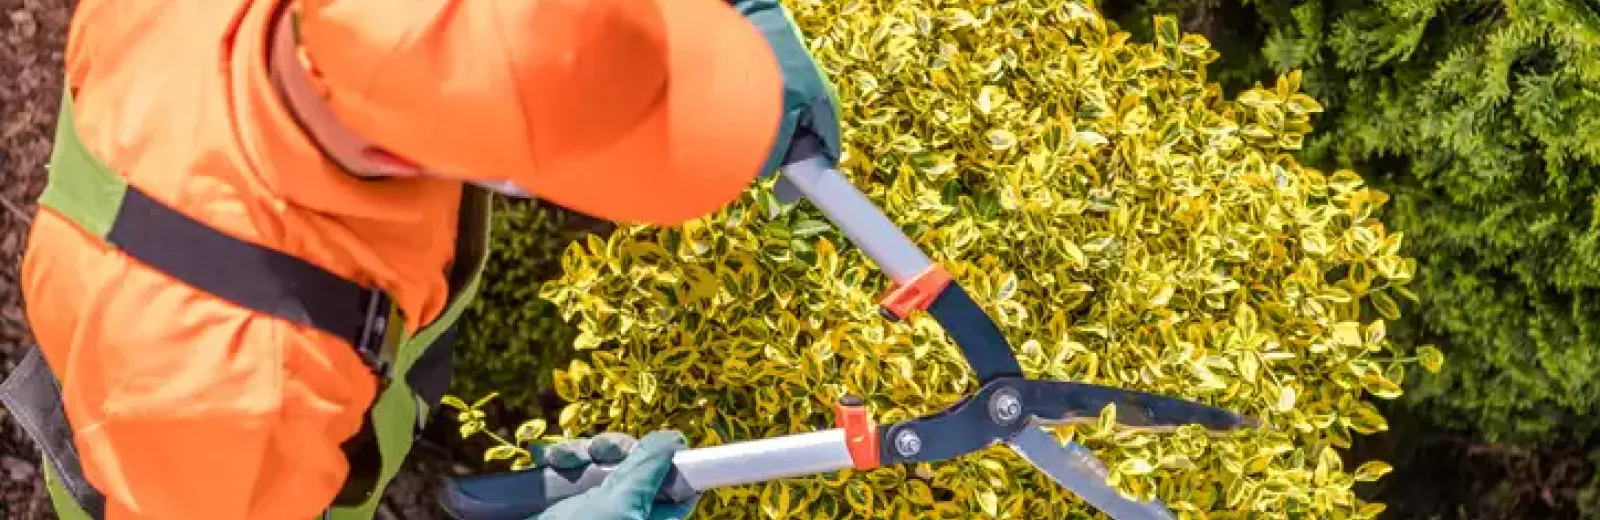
<point>183,406</point>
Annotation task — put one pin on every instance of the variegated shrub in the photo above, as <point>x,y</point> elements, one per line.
<point>1124,223</point>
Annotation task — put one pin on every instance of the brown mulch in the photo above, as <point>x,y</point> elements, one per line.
<point>32,36</point>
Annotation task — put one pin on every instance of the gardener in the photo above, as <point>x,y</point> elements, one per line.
<point>265,216</point>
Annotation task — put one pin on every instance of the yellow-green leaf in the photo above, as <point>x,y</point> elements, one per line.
<point>1385,305</point>
<point>1286,398</point>
<point>1108,418</point>
<point>1303,104</point>
<point>500,452</point>
<point>988,502</point>
<point>1135,467</point>
<point>1380,386</point>
<point>1372,470</point>
<point>530,430</point>
<point>775,500</point>
<point>1347,333</point>
<point>1001,139</point>
<point>858,495</point>
<point>1431,358</point>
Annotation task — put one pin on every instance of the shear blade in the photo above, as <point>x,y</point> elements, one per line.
<point>1062,402</point>
<point>1075,468</point>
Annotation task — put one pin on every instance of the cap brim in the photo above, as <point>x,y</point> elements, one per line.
<point>702,146</point>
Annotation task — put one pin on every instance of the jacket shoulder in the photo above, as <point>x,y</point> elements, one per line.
<point>112,31</point>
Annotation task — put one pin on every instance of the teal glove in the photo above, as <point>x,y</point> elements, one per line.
<point>809,99</point>
<point>629,492</point>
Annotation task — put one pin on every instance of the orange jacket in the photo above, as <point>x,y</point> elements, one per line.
<point>185,406</point>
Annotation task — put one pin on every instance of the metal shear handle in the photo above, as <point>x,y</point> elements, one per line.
<point>1005,410</point>
<point>520,494</point>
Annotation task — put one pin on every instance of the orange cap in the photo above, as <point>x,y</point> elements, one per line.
<point>654,111</point>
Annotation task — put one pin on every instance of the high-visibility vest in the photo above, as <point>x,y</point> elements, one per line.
<point>413,369</point>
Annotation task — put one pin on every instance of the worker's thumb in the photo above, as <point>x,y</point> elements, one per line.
<point>635,482</point>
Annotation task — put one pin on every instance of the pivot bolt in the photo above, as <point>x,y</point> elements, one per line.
<point>1006,406</point>
<point>907,443</point>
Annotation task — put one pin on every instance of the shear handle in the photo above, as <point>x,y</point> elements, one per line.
<point>517,495</point>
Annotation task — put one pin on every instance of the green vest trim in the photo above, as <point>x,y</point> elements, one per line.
<point>66,507</point>
<point>92,194</point>
<point>87,192</point>
<point>399,413</point>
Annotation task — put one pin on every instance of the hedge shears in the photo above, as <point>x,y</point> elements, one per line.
<point>1007,408</point>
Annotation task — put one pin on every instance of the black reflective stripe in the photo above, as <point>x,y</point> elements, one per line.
<point>246,274</point>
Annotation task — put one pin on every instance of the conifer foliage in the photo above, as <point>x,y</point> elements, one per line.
<point>1481,118</point>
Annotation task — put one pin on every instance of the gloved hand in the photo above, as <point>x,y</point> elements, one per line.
<point>809,99</point>
<point>629,492</point>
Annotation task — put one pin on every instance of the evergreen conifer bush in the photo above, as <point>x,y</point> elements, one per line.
<point>1480,118</point>
<point>1125,224</point>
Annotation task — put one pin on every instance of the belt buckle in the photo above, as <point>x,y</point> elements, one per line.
<point>373,331</point>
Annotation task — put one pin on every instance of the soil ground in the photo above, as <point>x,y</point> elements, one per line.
<point>32,34</point>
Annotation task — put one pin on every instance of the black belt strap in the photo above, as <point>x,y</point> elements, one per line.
<point>249,275</point>
<point>33,396</point>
